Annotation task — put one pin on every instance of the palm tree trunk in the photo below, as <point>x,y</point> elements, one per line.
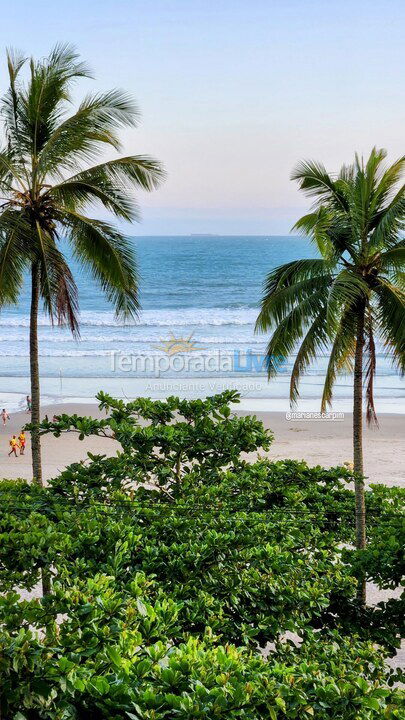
<point>358,450</point>
<point>36,400</point>
<point>34,369</point>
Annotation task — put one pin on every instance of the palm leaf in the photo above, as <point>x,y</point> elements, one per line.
<point>283,285</point>
<point>390,319</point>
<point>109,257</point>
<point>315,181</point>
<point>341,354</point>
<point>81,136</point>
<point>108,184</point>
<point>330,232</point>
<point>315,339</point>
<point>77,195</point>
<point>394,258</point>
<point>43,101</point>
<point>14,255</point>
<point>388,223</point>
<point>57,286</point>
<point>292,327</point>
<point>10,101</point>
<point>138,171</point>
<point>347,288</point>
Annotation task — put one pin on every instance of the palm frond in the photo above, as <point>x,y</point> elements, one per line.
<point>11,171</point>
<point>138,171</point>
<point>389,223</point>
<point>292,327</point>
<point>277,306</point>
<point>387,184</point>
<point>109,257</point>
<point>57,286</point>
<point>341,354</point>
<point>390,319</point>
<point>330,232</point>
<point>43,102</point>
<point>347,288</point>
<point>82,136</point>
<point>316,339</point>
<point>317,225</point>
<point>372,169</point>
<point>394,258</point>
<point>42,252</point>
<point>316,182</point>
<point>14,255</point>
<point>77,195</point>
<point>109,184</point>
<point>10,101</point>
<point>288,283</point>
<point>64,60</point>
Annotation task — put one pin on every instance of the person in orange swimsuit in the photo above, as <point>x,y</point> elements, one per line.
<point>22,441</point>
<point>14,446</point>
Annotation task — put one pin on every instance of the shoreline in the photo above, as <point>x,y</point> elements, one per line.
<point>257,394</point>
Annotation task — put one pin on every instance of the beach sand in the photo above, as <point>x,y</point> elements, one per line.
<point>319,442</point>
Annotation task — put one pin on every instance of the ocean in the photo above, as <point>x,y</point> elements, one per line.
<point>204,290</point>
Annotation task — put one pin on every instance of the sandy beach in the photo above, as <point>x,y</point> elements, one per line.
<point>319,442</point>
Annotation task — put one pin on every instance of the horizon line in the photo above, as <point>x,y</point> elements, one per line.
<point>218,235</point>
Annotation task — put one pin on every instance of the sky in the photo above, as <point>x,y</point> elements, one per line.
<point>234,93</point>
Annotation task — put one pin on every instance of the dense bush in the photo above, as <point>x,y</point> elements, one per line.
<point>384,560</point>
<point>163,440</point>
<point>169,574</point>
<point>110,656</point>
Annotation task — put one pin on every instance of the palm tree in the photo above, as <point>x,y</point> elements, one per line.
<point>46,183</point>
<point>351,295</point>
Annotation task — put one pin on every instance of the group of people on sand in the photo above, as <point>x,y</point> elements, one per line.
<point>16,443</point>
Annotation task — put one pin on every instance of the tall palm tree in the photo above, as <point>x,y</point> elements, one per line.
<point>351,295</point>
<point>47,182</point>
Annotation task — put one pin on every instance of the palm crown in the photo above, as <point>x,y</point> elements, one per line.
<point>355,289</point>
<point>46,184</point>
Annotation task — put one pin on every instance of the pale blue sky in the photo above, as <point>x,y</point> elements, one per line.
<point>234,93</point>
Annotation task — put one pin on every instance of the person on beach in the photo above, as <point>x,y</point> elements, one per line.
<point>13,445</point>
<point>22,441</point>
<point>5,416</point>
<point>28,403</point>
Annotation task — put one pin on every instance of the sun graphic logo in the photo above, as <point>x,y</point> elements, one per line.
<point>175,345</point>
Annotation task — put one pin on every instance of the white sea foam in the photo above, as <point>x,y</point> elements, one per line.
<point>130,351</point>
<point>159,318</point>
<point>125,337</point>
<point>58,353</point>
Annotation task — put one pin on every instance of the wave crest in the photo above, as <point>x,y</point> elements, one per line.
<point>197,317</point>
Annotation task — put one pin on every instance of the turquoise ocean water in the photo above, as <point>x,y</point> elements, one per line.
<point>202,288</point>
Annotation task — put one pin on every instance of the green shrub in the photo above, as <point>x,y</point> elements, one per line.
<point>111,656</point>
<point>175,560</point>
